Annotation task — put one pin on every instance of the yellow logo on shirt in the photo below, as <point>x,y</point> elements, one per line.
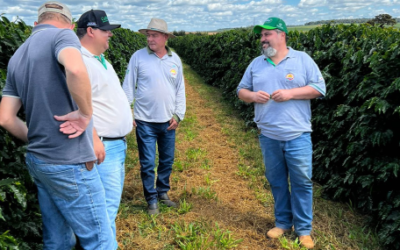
<point>173,72</point>
<point>290,76</point>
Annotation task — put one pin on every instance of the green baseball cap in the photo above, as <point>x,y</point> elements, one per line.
<point>272,23</point>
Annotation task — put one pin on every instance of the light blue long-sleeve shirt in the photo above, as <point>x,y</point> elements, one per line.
<point>156,86</point>
<point>283,120</point>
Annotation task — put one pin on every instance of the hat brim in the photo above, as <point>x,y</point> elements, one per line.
<point>110,27</point>
<point>257,29</point>
<point>143,31</point>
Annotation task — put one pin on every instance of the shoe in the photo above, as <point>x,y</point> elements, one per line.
<point>153,209</point>
<point>277,232</point>
<point>164,199</point>
<point>306,241</point>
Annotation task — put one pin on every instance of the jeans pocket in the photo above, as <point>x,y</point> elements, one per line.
<point>59,183</point>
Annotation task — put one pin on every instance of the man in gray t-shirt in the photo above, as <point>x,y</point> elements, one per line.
<point>47,76</point>
<point>281,83</point>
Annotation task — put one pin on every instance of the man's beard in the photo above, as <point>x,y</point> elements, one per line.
<point>269,51</point>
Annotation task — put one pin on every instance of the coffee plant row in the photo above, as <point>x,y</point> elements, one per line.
<point>20,219</point>
<point>356,126</point>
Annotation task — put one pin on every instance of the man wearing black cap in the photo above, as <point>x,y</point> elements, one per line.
<point>112,115</point>
<point>48,77</point>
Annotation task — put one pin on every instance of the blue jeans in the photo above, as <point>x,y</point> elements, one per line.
<point>112,174</point>
<point>147,135</point>
<point>72,200</point>
<point>290,159</point>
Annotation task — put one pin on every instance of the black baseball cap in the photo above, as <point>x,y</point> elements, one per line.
<point>97,19</point>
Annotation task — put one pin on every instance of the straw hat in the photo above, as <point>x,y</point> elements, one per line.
<point>159,25</point>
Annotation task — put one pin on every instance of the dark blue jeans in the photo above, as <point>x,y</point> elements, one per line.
<point>149,134</point>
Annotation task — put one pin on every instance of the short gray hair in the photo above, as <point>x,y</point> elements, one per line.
<point>53,16</point>
<point>280,31</point>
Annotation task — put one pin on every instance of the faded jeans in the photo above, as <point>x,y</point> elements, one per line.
<point>292,160</point>
<point>112,174</point>
<point>72,200</point>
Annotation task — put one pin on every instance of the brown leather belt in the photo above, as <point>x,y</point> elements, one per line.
<point>89,165</point>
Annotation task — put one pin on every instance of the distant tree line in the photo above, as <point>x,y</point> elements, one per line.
<point>354,20</point>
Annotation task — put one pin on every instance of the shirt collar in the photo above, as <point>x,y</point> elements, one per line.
<point>169,51</point>
<point>41,27</point>
<point>86,52</point>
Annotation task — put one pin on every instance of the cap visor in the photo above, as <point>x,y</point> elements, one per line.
<point>257,29</point>
<point>110,27</point>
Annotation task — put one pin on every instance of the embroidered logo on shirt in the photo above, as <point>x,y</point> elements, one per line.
<point>290,76</point>
<point>173,72</point>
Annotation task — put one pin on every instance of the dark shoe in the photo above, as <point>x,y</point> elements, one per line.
<point>164,199</point>
<point>153,209</point>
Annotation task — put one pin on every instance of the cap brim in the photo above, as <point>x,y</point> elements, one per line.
<point>257,29</point>
<point>110,27</point>
<point>143,31</point>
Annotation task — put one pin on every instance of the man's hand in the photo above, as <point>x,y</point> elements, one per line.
<point>75,123</point>
<point>172,124</point>
<point>282,95</point>
<point>134,123</point>
<point>99,150</point>
<point>261,97</point>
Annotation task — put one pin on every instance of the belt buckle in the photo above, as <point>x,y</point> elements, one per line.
<point>89,165</point>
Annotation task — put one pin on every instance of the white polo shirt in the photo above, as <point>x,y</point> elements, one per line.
<point>112,114</point>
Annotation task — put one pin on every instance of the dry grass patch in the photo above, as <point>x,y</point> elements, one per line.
<point>224,199</point>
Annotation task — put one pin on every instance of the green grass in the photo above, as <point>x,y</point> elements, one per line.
<point>336,225</point>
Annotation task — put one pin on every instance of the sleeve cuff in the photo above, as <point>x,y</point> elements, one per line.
<point>176,118</point>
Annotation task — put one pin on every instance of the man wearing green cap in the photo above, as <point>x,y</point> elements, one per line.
<point>281,83</point>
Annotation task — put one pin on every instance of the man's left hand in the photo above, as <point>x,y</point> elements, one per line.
<point>172,124</point>
<point>281,95</point>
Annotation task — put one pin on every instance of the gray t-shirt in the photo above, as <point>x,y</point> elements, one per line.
<point>36,77</point>
<point>283,121</point>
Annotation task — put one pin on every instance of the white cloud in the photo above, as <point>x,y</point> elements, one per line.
<point>312,3</point>
<point>207,15</point>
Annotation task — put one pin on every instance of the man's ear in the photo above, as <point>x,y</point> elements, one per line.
<point>35,23</point>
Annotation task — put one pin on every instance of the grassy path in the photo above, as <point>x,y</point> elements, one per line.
<point>218,178</point>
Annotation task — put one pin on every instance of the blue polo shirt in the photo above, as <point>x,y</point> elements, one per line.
<point>37,78</point>
<point>283,121</point>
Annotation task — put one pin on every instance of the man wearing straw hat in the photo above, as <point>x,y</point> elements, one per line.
<point>281,83</point>
<point>48,77</point>
<point>154,83</point>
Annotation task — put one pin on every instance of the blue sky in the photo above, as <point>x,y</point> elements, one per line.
<point>209,15</point>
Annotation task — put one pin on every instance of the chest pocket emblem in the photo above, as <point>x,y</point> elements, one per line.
<point>290,76</point>
<point>173,73</point>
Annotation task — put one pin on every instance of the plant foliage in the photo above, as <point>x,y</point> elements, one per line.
<point>20,219</point>
<point>356,126</point>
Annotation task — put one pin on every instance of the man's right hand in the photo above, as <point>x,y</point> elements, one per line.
<point>99,150</point>
<point>75,123</point>
<point>261,97</point>
<point>134,124</point>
